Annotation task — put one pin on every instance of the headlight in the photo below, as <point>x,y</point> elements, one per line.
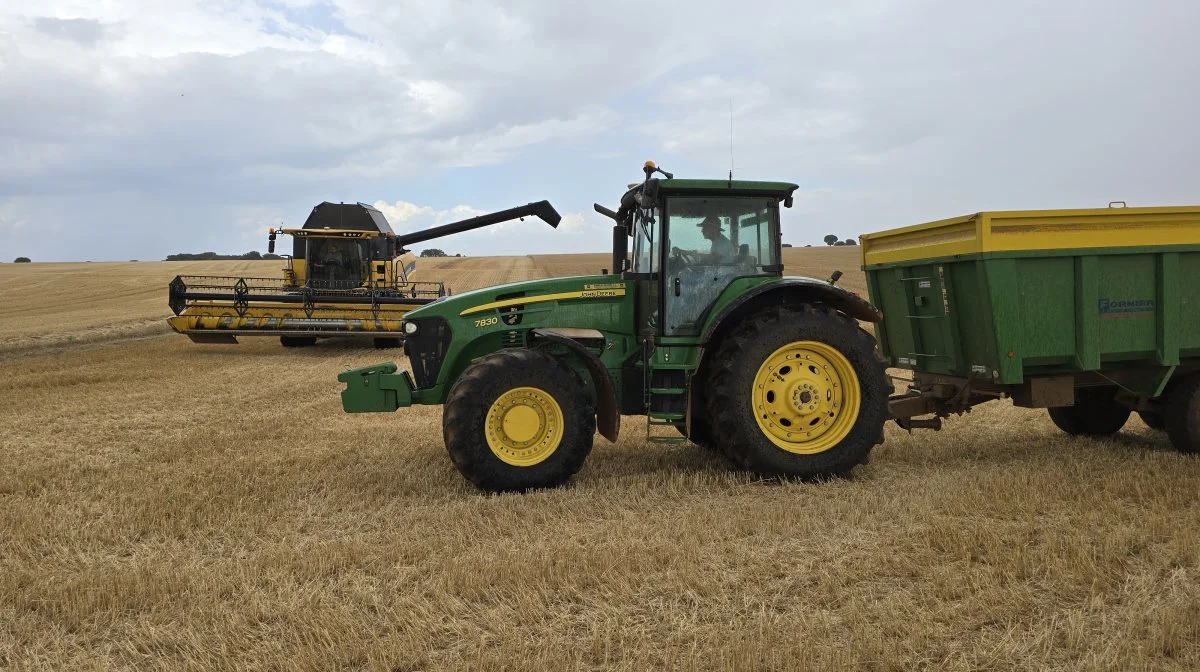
<point>410,328</point>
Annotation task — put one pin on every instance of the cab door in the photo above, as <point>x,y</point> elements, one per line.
<point>712,242</point>
<point>645,270</point>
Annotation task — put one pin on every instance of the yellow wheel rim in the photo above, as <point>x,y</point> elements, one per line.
<point>524,426</point>
<point>806,397</point>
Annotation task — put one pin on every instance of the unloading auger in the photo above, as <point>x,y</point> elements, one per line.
<point>349,274</point>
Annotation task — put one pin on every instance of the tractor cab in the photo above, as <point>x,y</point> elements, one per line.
<point>690,240</point>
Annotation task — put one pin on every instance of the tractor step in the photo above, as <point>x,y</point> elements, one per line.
<point>666,439</point>
<point>666,401</point>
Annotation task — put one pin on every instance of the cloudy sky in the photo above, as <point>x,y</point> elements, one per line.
<point>137,128</point>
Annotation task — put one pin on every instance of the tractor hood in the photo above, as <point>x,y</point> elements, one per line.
<point>486,300</point>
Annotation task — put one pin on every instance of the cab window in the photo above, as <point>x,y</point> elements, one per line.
<point>724,231</point>
<point>714,241</point>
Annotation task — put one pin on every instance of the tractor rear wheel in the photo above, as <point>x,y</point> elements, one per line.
<point>1153,420</point>
<point>1096,413</point>
<point>518,419</point>
<point>798,392</point>
<point>701,429</point>
<point>297,341</point>
<point>1183,415</point>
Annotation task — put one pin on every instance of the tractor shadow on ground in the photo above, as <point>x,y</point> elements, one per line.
<point>994,449</point>
<point>629,461</point>
<point>1150,440</point>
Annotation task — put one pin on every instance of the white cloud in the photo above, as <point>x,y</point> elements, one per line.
<point>401,212</point>
<point>252,222</point>
<point>405,216</point>
<point>14,215</point>
<point>886,112</point>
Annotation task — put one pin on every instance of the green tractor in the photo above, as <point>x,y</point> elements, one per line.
<point>697,329</point>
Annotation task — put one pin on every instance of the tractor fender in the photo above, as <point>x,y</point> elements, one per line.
<point>799,290</point>
<point>608,415</point>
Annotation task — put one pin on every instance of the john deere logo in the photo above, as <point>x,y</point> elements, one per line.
<point>1115,309</point>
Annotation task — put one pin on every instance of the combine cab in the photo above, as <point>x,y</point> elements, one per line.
<point>349,274</point>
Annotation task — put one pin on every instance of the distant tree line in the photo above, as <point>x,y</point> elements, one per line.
<point>834,241</point>
<point>22,260</point>
<point>435,252</point>
<point>209,256</point>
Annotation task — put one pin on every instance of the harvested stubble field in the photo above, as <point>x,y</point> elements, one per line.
<point>165,505</point>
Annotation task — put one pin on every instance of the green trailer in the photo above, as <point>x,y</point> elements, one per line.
<point>1092,314</point>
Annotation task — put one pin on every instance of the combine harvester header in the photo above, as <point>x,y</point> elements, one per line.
<point>349,274</point>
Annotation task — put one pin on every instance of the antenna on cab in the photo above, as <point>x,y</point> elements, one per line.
<point>731,142</point>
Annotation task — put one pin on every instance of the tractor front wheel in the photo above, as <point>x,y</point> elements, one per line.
<point>1183,415</point>
<point>518,419</point>
<point>1096,413</point>
<point>797,392</point>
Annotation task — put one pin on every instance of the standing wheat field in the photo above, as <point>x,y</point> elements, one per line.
<point>167,505</point>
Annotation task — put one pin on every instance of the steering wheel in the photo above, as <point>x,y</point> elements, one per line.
<point>685,257</point>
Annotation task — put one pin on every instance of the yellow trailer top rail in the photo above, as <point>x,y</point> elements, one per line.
<point>1021,230</point>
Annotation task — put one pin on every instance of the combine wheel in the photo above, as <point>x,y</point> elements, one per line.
<point>518,419</point>
<point>297,341</point>
<point>1153,420</point>
<point>1183,415</point>
<point>1095,413</point>
<point>798,392</point>
<point>381,343</point>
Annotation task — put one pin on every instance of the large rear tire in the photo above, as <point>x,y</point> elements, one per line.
<point>297,341</point>
<point>518,419</point>
<point>1183,415</point>
<point>1095,413</point>
<point>797,392</point>
<point>1153,420</point>
<point>701,428</point>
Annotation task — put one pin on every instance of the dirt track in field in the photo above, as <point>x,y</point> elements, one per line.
<point>165,505</point>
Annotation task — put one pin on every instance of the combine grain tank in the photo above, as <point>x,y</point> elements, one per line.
<point>1090,313</point>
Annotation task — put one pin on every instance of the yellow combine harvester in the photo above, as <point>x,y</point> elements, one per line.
<point>349,274</point>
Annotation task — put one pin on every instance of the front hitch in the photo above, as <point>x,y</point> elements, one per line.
<point>375,389</point>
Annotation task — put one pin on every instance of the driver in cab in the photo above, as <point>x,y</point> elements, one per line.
<point>721,251</point>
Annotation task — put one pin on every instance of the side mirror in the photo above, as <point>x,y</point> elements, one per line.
<point>271,242</point>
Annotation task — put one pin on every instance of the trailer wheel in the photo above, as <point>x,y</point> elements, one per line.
<point>1153,420</point>
<point>1095,413</point>
<point>797,392</point>
<point>297,341</point>
<point>518,419</point>
<point>1183,415</point>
